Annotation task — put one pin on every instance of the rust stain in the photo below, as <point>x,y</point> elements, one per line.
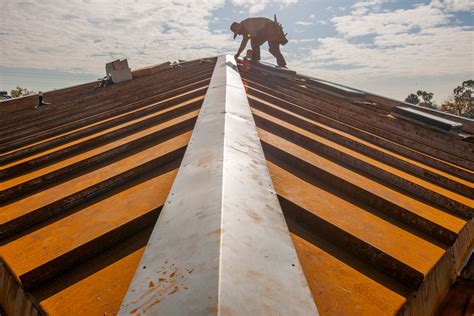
<point>221,310</point>
<point>157,292</point>
<point>151,305</point>
<point>156,295</point>
<point>212,309</point>
<point>254,216</point>
<point>174,290</point>
<point>254,274</point>
<point>216,232</point>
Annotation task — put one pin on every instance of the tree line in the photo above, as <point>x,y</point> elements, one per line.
<point>20,92</point>
<point>461,102</point>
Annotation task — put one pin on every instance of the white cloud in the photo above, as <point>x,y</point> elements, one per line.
<point>438,51</point>
<point>256,6</point>
<point>392,22</point>
<point>304,40</point>
<point>454,5</point>
<point>416,41</point>
<point>398,45</point>
<point>303,23</point>
<point>82,35</point>
<point>362,7</point>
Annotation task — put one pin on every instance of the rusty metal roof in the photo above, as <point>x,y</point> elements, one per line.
<point>379,208</point>
<point>376,206</point>
<point>84,180</point>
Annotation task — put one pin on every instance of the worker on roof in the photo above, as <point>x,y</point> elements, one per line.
<point>259,31</point>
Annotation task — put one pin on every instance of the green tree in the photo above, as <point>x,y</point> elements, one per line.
<point>426,99</point>
<point>461,102</point>
<point>412,98</point>
<point>19,92</point>
<point>421,98</point>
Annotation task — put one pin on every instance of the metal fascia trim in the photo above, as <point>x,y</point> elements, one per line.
<point>221,244</point>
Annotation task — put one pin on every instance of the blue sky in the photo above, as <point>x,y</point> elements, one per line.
<point>387,47</point>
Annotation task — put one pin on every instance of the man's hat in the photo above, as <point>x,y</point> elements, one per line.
<point>235,27</point>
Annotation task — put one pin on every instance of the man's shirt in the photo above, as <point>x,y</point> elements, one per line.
<point>255,27</point>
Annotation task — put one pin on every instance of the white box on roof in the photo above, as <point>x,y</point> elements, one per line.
<point>118,71</point>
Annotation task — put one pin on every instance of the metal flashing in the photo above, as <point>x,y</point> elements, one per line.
<point>388,104</point>
<point>151,70</point>
<point>270,69</point>
<point>221,244</point>
<point>334,88</point>
<point>419,117</point>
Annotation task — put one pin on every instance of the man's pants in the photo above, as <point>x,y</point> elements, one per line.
<point>274,49</point>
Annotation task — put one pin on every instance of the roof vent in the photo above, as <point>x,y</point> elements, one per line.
<point>426,119</point>
<point>118,71</point>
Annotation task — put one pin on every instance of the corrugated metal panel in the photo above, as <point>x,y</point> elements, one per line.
<point>380,210</point>
<point>84,180</point>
